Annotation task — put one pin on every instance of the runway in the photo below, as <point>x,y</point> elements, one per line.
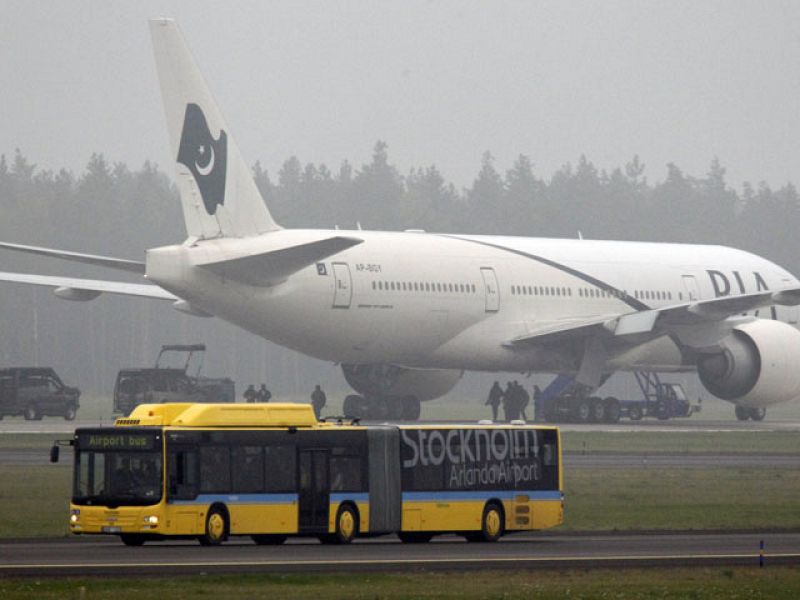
<point>107,556</point>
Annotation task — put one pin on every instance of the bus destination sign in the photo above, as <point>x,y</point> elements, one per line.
<point>116,441</point>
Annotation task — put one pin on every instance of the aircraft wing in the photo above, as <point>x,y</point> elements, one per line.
<point>120,264</point>
<point>73,288</point>
<point>705,316</point>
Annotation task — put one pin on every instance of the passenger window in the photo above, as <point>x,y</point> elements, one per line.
<point>346,474</point>
<point>279,464</point>
<point>215,469</point>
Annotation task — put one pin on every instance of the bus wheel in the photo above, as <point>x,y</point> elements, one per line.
<point>132,539</point>
<point>415,537</point>
<point>346,527</point>
<point>268,540</point>
<point>216,528</point>
<point>491,525</point>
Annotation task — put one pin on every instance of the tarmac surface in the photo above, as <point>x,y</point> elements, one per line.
<point>109,557</point>
<point>59,426</point>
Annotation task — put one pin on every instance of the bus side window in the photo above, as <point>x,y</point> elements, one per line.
<point>248,469</point>
<point>280,469</point>
<point>183,475</point>
<point>549,455</point>
<point>346,474</point>
<point>215,469</point>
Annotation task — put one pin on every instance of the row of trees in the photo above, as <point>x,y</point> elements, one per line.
<point>110,209</point>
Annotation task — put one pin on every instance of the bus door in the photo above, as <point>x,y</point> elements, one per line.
<point>314,491</point>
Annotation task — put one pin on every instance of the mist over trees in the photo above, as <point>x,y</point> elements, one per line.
<point>111,209</point>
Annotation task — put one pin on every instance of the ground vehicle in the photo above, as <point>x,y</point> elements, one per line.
<point>208,471</point>
<point>34,392</point>
<point>563,400</point>
<point>162,384</point>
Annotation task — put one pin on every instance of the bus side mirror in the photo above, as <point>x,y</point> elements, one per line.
<point>54,452</point>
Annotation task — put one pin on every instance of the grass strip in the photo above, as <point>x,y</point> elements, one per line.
<point>775,583</point>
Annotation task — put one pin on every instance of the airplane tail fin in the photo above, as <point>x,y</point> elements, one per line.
<point>219,196</point>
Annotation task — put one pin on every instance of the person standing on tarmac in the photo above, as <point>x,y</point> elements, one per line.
<point>318,400</point>
<point>263,394</point>
<point>538,413</point>
<point>508,401</point>
<point>494,399</point>
<point>250,394</point>
<point>524,400</point>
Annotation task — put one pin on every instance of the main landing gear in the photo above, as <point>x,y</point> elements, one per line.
<point>757,414</point>
<point>376,408</point>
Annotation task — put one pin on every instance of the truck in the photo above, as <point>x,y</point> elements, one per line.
<point>161,383</point>
<point>566,401</point>
<point>36,392</point>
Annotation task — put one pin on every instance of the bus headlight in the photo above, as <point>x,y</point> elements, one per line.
<point>151,520</point>
<point>74,516</point>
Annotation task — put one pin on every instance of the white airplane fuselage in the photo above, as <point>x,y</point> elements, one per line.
<point>453,301</point>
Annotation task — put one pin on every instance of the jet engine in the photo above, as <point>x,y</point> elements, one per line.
<point>394,392</point>
<point>390,380</point>
<point>758,365</point>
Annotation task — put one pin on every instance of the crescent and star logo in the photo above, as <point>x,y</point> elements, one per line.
<point>204,156</point>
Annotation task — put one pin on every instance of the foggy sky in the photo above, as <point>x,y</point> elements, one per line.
<point>441,82</point>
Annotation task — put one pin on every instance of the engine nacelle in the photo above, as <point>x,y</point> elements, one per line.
<point>759,365</point>
<point>390,380</point>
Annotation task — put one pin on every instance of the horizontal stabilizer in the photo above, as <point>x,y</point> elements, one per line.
<point>269,268</point>
<point>73,288</point>
<point>120,264</point>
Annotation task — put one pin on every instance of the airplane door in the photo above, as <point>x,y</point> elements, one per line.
<point>690,285</point>
<point>343,291</point>
<point>491,288</point>
<point>314,491</point>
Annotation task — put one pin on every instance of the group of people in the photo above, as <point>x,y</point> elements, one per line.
<point>514,400</point>
<point>262,394</point>
<point>318,398</point>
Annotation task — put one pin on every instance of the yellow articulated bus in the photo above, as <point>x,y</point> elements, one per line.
<point>268,471</point>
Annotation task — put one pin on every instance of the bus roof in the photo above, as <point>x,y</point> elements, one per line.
<point>221,415</point>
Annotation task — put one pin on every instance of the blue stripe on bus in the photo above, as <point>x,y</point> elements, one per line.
<point>241,499</point>
<point>342,496</point>
<point>480,495</point>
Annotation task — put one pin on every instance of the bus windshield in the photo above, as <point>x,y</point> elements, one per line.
<point>114,469</point>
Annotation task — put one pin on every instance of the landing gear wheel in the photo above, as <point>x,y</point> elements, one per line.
<point>411,408</point>
<point>415,537</point>
<point>612,410</point>
<point>346,527</point>
<point>355,407</point>
<point>268,540</point>
<point>583,411</point>
<point>635,413</point>
<point>70,413</point>
<point>492,527</point>
<point>394,409</point>
<point>596,410</point>
<point>31,414</point>
<point>758,414</point>
<point>216,528</point>
<point>132,539</point>
<point>742,413</point>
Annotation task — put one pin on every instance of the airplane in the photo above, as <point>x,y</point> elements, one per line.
<point>406,313</point>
